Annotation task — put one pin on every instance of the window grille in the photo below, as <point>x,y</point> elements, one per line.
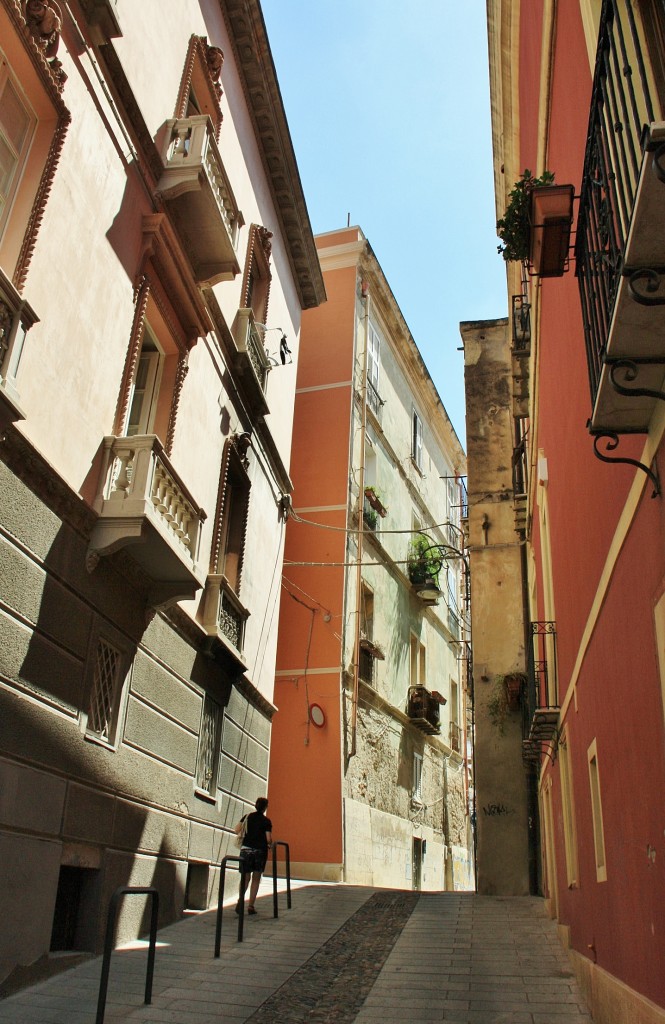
<point>101,715</point>
<point>206,767</point>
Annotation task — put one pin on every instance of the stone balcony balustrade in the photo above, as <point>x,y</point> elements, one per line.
<point>143,503</point>
<point>199,196</point>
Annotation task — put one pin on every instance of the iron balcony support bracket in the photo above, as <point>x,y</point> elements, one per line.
<point>631,371</point>
<point>612,443</point>
<point>658,162</point>
<point>653,277</point>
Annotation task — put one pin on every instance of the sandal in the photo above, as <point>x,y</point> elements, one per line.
<point>250,910</point>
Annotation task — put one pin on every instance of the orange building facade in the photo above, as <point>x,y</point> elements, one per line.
<point>368,787</point>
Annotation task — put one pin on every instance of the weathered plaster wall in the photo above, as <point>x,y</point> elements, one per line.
<point>497,609</point>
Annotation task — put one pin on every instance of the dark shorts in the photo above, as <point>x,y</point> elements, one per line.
<point>252,859</point>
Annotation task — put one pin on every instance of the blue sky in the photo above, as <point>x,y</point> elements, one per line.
<point>388,106</point>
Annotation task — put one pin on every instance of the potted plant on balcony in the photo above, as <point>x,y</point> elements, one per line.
<point>514,228</point>
<point>371,518</point>
<point>423,561</point>
<point>375,499</point>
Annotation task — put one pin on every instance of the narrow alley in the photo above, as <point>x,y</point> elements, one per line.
<point>341,954</point>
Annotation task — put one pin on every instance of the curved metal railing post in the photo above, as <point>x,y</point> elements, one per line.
<point>287,861</point>
<point>108,943</point>
<point>220,902</point>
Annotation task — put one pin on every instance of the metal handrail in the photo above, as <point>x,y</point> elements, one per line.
<point>220,901</point>
<point>287,862</point>
<point>108,943</point>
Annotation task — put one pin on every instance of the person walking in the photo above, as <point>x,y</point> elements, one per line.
<point>254,850</point>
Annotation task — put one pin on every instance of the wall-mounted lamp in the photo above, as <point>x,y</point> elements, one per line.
<point>284,350</point>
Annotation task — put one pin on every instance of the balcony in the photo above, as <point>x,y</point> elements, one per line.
<point>143,504</point>
<point>16,319</point>
<point>374,401</point>
<point>251,360</point>
<point>224,617</point>
<point>620,248</point>
<point>199,195</point>
<point>423,710</point>
<point>540,702</point>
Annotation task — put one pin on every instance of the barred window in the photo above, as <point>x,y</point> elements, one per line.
<point>207,762</point>
<point>105,694</point>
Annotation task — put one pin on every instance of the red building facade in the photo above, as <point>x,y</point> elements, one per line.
<point>578,90</point>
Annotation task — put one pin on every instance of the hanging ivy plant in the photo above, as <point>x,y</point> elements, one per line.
<point>513,228</point>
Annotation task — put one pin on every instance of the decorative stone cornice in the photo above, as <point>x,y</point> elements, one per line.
<point>257,74</point>
<point>38,23</point>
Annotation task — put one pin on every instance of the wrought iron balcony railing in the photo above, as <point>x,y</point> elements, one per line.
<point>423,710</point>
<point>223,614</point>
<point>540,703</point>
<point>620,245</point>
<point>374,400</point>
<point>252,361</point>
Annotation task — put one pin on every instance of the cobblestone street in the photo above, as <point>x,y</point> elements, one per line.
<point>342,954</point>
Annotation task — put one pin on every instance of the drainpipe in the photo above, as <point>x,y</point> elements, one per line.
<point>361,525</point>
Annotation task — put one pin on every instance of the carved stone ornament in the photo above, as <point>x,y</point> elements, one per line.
<point>215,60</point>
<point>264,237</point>
<point>44,19</point>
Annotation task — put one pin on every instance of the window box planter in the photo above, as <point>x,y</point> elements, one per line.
<point>375,501</point>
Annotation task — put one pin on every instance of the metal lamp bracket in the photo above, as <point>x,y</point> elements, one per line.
<point>612,443</point>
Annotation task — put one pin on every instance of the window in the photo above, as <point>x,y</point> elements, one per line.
<point>597,814</point>
<point>145,387</point>
<point>207,761</point>
<point>418,662</point>
<point>568,806</point>
<point>417,440</point>
<point>232,511</point>
<point>155,368</point>
<point>373,365</point>
<point>455,736</point>
<point>200,88</point>
<point>417,788</point>
<point>256,282</point>
<point>107,673</point>
<point>366,612</point>
<point>33,125</point>
<point>17,124</point>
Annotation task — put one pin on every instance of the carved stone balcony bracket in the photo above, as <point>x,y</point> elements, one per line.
<point>612,443</point>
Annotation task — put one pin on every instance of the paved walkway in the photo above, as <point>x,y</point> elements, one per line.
<point>341,955</point>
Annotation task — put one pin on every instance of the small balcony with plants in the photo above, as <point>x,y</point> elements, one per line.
<point>143,505</point>
<point>373,508</point>
<point>535,229</point>
<point>620,244</point>
<point>424,709</point>
<point>423,568</point>
<point>198,193</point>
